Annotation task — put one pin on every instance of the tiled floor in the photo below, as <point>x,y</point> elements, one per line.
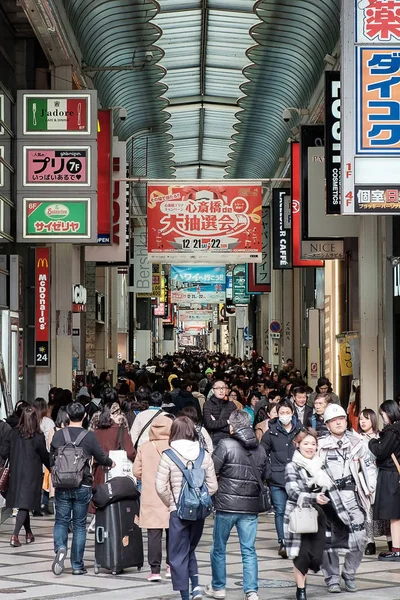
<point>25,572</point>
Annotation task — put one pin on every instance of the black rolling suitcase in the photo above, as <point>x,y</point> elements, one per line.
<point>119,543</point>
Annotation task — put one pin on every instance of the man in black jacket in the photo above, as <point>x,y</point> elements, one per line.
<point>237,503</point>
<point>302,411</point>
<point>216,412</point>
<point>75,500</point>
<point>185,398</point>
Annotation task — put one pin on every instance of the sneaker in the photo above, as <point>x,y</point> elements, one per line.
<point>334,588</point>
<point>251,596</point>
<point>92,526</point>
<point>154,577</point>
<point>14,512</point>
<point>197,593</point>
<point>210,593</point>
<point>58,563</point>
<point>350,585</point>
<point>168,572</point>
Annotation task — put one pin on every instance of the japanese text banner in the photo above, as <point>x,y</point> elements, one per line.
<point>204,221</point>
<point>197,284</point>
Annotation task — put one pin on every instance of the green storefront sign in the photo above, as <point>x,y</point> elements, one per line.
<point>55,218</point>
<point>239,285</point>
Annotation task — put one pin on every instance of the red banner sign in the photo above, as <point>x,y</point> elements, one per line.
<point>42,312</point>
<point>213,223</point>
<point>104,177</point>
<point>296,213</point>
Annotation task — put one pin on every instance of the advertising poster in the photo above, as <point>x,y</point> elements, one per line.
<point>190,316</point>
<point>52,218</point>
<point>42,307</point>
<point>197,284</point>
<point>240,295</point>
<point>56,166</point>
<point>195,222</point>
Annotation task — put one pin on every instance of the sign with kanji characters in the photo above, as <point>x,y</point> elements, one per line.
<point>55,114</point>
<point>42,307</point>
<point>204,221</point>
<point>197,284</point>
<point>188,316</point>
<point>377,199</point>
<point>377,21</point>
<point>240,295</point>
<point>58,166</point>
<point>56,219</point>
<point>378,100</point>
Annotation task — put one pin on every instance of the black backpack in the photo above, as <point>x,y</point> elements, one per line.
<point>69,462</point>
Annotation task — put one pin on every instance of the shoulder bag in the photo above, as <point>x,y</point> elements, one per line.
<point>149,422</point>
<point>264,499</point>
<point>396,462</point>
<point>303,519</point>
<point>123,466</point>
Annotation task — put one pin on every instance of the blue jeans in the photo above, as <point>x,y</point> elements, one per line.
<point>75,501</point>
<point>246,526</point>
<point>279,499</point>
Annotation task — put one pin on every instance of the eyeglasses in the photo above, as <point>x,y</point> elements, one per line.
<point>220,389</point>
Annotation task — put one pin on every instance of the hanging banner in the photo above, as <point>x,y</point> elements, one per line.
<point>189,316</point>
<point>239,285</point>
<point>42,307</point>
<point>281,229</point>
<point>333,168</point>
<point>346,367</point>
<point>296,213</point>
<point>197,284</point>
<point>104,189</point>
<point>209,222</point>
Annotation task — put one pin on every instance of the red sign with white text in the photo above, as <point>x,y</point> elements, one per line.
<point>204,222</point>
<point>296,213</point>
<point>104,177</point>
<point>42,308</point>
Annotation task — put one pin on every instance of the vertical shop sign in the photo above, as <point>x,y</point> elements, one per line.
<point>42,308</point>
<point>281,229</point>
<point>142,269</point>
<point>104,190</point>
<point>333,168</point>
<point>296,212</point>
<point>239,285</point>
<point>259,274</point>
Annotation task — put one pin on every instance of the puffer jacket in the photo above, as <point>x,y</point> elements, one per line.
<point>216,413</point>
<point>279,446</point>
<point>169,476</point>
<point>238,489</point>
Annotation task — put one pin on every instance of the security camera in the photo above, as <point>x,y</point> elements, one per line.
<point>149,56</point>
<point>123,114</point>
<point>286,115</point>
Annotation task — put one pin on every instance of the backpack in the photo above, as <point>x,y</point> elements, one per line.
<point>194,501</point>
<point>69,462</point>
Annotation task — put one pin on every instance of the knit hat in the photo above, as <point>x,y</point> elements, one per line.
<point>84,392</point>
<point>209,371</point>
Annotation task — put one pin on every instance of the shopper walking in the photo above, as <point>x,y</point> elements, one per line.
<point>216,412</point>
<point>74,500</point>
<point>184,535</point>
<point>306,482</point>
<point>154,515</point>
<point>236,460</point>
<point>25,447</point>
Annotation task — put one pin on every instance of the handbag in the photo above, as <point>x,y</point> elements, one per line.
<point>396,462</point>
<point>123,466</point>
<point>264,498</point>
<point>303,519</point>
<point>4,476</point>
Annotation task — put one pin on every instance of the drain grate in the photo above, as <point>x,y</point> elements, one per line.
<point>271,583</point>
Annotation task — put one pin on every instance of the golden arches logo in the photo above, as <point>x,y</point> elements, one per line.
<point>43,262</point>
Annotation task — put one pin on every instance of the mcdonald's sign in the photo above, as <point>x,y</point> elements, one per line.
<point>42,309</point>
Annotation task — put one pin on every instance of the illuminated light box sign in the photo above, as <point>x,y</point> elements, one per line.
<point>58,166</point>
<point>197,284</point>
<point>208,222</point>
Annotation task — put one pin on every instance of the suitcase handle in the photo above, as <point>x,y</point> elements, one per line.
<point>100,535</point>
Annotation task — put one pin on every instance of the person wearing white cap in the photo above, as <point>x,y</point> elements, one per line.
<point>343,455</point>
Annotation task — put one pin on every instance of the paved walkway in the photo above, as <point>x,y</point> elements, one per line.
<point>26,573</point>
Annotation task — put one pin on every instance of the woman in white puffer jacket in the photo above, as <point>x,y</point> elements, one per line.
<point>184,536</point>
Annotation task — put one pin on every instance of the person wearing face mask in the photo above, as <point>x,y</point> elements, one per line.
<point>344,456</point>
<point>303,412</point>
<point>278,442</point>
<point>386,448</point>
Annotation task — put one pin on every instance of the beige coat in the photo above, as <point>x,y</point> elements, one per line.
<point>169,476</point>
<point>153,513</point>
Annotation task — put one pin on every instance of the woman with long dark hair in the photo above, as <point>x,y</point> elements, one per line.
<point>25,447</point>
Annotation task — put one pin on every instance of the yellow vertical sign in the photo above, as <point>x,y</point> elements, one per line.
<point>346,366</point>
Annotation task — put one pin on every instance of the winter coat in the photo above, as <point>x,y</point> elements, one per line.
<point>5,429</point>
<point>27,457</point>
<point>279,446</point>
<point>201,398</point>
<point>138,424</point>
<point>238,489</point>
<point>387,500</point>
<point>169,476</point>
<point>308,411</point>
<point>317,422</point>
<point>215,418</point>
<point>110,439</point>
<point>187,399</point>
<point>153,512</point>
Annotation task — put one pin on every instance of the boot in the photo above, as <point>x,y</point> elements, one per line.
<point>301,593</point>
<point>14,541</point>
<point>30,538</point>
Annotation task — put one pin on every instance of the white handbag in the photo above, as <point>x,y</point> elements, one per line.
<point>303,519</point>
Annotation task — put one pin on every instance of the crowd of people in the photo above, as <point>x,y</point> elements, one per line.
<point>250,434</point>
